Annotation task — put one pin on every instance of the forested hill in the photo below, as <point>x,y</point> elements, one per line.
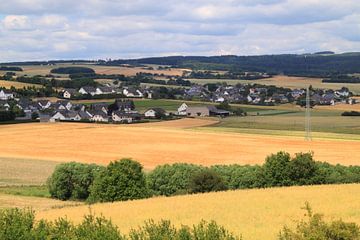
<point>321,65</point>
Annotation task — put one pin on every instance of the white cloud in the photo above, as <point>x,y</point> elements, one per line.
<point>53,29</point>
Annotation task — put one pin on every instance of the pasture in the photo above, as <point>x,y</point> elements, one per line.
<point>256,214</point>
<point>160,143</point>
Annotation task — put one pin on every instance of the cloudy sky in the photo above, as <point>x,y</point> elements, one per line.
<point>93,29</point>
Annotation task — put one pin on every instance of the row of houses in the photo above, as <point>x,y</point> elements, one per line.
<point>266,95</point>
<point>130,92</point>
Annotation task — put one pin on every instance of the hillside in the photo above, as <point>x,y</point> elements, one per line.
<point>256,214</point>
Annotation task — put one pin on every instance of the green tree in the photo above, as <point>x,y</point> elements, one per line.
<point>121,180</point>
<point>276,169</point>
<point>206,181</point>
<point>303,169</point>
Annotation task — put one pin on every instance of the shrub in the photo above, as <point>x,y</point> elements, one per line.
<point>72,180</point>
<point>16,224</point>
<point>171,179</point>
<point>121,180</point>
<point>206,181</point>
<point>317,228</point>
<point>276,169</point>
<point>303,169</point>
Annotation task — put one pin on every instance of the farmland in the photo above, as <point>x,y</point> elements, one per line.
<point>287,82</point>
<point>159,144</point>
<point>256,214</point>
<point>9,84</point>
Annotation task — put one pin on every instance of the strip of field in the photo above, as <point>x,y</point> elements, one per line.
<point>9,84</point>
<point>256,214</point>
<point>17,171</point>
<point>286,81</point>
<point>153,145</point>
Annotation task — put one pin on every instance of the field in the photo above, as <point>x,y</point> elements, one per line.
<point>256,214</point>
<point>33,70</point>
<point>9,84</point>
<point>160,143</point>
<point>288,82</point>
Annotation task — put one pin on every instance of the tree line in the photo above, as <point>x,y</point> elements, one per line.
<point>126,180</point>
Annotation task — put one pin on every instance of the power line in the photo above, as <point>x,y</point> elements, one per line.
<point>308,136</point>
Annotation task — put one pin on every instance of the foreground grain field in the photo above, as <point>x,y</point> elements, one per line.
<point>159,144</point>
<point>256,214</point>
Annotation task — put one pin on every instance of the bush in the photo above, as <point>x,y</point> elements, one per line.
<point>303,169</point>
<point>16,224</point>
<point>317,228</point>
<point>171,179</point>
<point>206,181</point>
<point>72,180</point>
<point>276,169</point>
<point>121,180</point>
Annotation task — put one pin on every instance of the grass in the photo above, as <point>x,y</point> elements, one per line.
<point>256,213</point>
<point>30,191</point>
<point>22,171</point>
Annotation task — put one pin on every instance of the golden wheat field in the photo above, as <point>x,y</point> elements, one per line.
<point>256,214</point>
<point>9,84</point>
<point>160,143</point>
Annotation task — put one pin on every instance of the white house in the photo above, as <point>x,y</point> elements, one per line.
<point>88,90</point>
<point>58,116</point>
<point>155,113</point>
<point>104,90</point>
<point>99,116</point>
<point>44,104</point>
<point>182,109</point>
<point>123,117</point>
<point>6,94</point>
<point>132,93</point>
<point>68,93</point>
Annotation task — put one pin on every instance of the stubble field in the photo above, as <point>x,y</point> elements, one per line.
<point>160,143</point>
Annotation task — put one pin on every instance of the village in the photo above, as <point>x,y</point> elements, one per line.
<point>122,110</point>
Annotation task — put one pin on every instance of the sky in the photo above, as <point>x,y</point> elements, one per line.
<point>103,29</point>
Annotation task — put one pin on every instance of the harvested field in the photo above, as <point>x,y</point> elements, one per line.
<point>9,84</point>
<point>36,203</point>
<point>101,143</point>
<point>14,171</point>
<point>256,214</point>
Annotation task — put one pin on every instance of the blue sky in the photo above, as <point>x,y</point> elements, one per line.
<point>93,29</point>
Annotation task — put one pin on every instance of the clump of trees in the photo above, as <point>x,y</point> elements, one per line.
<point>18,224</point>
<point>125,180</point>
<point>72,70</point>
<point>351,113</point>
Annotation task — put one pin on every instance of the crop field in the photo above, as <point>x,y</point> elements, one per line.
<point>159,144</point>
<point>256,214</point>
<point>9,84</point>
<point>33,70</point>
<point>288,82</point>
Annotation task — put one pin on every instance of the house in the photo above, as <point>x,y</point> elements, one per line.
<point>59,115</point>
<point>6,94</point>
<point>68,93</point>
<point>125,105</point>
<point>213,111</point>
<point>343,92</point>
<point>63,105</point>
<point>99,116</point>
<point>87,90</point>
<point>155,113</point>
<point>104,90</point>
<point>182,109</point>
<point>123,117</point>
<point>131,92</point>
<point>4,105</point>
<point>43,104</point>
<point>100,107</point>
<point>197,112</point>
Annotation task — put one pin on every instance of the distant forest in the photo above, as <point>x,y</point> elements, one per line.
<point>322,64</point>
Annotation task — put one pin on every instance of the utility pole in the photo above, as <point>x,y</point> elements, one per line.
<point>308,136</point>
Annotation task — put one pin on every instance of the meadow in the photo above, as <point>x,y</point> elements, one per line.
<point>256,213</point>
<point>9,84</point>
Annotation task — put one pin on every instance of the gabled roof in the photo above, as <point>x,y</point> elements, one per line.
<point>105,89</point>
<point>99,113</point>
<point>43,102</point>
<point>157,110</point>
<point>89,89</point>
<point>70,90</point>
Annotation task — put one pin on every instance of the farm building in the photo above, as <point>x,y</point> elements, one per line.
<point>155,113</point>
<point>206,111</point>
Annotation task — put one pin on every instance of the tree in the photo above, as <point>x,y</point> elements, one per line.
<point>206,181</point>
<point>276,169</point>
<point>121,180</point>
<point>72,180</point>
<point>303,169</point>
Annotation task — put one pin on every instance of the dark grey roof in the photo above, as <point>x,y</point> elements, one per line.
<point>89,89</point>
<point>157,110</point>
